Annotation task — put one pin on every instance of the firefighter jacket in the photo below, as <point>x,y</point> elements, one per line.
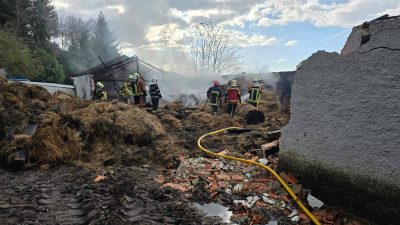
<point>138,88</point>
<point>254,94</point>
<point>126,89</point>
<point>154,91</point>
<point>214,94</point>
<point>233,95</point>
<point>99,94</point>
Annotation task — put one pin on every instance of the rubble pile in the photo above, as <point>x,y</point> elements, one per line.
<point>253,195</point>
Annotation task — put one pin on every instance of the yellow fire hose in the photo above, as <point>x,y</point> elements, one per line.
<point>297,200</point>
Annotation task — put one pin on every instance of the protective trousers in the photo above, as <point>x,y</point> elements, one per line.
<point>232,109</point>
<point>154,103</point>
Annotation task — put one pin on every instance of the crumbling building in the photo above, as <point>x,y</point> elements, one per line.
<point>343,137</point>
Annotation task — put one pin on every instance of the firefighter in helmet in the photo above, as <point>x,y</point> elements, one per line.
<point>214,95</point>
<point>233,97</point>
<point>255,92</point>
<point>126,89</point>
<point>99,93</point>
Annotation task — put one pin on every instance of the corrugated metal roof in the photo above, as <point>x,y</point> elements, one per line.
<point>118,63</point>
<point>119,60</point>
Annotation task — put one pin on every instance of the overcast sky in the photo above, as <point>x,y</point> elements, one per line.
<point>275,34</point>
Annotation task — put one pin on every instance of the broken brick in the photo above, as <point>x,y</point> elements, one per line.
<point>222,176</point>
<point>180,187</point>
<point>292,179</point>
<point>237,177</point>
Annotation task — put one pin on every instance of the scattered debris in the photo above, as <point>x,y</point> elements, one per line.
<point>99,178</point>
<point>314,202</point>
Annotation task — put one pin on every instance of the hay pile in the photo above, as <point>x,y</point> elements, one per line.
<point>69,128</point>
<point>117,123</point>
<point>171,122</point>
<point>55,140</point>
<point>269,102</point>
<point>20,104</point>
<point>209,122</point>
<point>175,106</point>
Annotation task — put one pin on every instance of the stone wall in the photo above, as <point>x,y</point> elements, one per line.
<point>343,138</point>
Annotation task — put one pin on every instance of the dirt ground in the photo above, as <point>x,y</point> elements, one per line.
<point>69,195</point>
<point>110,163</point>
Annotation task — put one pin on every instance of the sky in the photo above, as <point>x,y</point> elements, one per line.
<point>274,35</point>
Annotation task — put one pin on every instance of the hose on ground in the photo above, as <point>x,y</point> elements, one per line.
<point>294,197</point>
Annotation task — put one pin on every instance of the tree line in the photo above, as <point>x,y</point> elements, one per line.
<point>44,45</point>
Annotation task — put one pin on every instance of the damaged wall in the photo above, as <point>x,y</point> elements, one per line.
<point>343,137</point>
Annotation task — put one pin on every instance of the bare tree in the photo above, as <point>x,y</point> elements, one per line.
<point>212,49</point>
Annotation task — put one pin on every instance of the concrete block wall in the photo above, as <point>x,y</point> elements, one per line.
<point>343,138</point>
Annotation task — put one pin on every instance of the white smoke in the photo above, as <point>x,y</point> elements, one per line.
<point>192,90</point>
<point>3,72</point>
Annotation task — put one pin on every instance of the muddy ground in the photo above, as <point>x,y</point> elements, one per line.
<point>69,195</point>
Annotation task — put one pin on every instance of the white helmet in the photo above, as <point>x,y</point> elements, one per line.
<point>154,80</point>
<point>99,85</point>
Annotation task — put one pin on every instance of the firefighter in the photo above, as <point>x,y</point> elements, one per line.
<point>232,96</point>
<point>99,93</point>
<point>126,89</point>
<point>155,95</point>
<point>255,92</point>
<point>138,90</point>
<point>214,95</point>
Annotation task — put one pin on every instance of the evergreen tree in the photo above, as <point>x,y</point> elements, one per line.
<point>41,23</point>
<point>53,70</point>
<point>6,12</point>
<point>104,41</point>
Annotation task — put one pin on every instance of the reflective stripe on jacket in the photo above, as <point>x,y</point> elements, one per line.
<point>255,93</point>
<point>214,94</point>
<point>135,89</point>
<point>215,98</point>
<point>126,89</point>
<point>99,94</point>
<point>154,91</point>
